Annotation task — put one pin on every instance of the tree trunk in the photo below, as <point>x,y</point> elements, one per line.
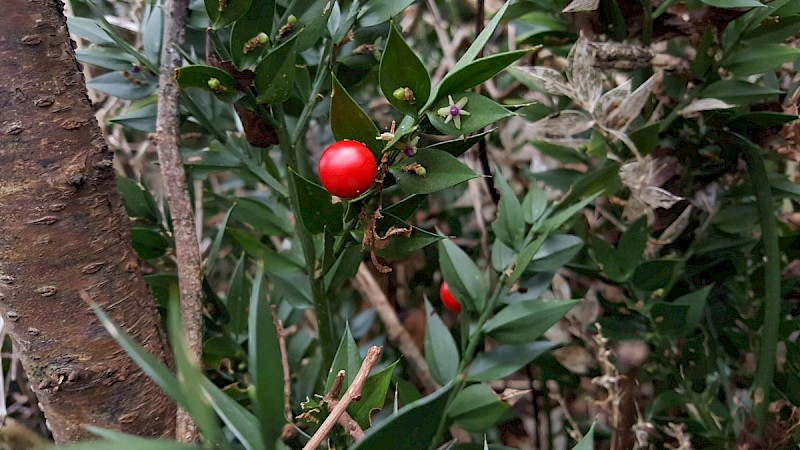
<point>64,239</point>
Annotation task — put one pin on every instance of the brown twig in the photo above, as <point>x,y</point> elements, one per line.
<point>369,288</point>
<point>174,176</point>
<point>352,394</point>
<point>351,427</point>
<point>287,380</point>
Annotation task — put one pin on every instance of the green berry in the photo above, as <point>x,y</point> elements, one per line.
<point>214,84</point>
<point>291,20</point>
<point>399,93</point>
<point>262,38</point>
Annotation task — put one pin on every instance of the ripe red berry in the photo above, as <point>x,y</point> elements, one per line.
<point>347,168</point>
<point>448,300</point>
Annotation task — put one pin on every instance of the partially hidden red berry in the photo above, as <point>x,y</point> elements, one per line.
<point>347,168</point>
<point>448,300</point>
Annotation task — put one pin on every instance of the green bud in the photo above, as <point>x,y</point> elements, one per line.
<point>291,20</point>
<point>214,84</point>
<point>399,93</point>
<point>262,38</point>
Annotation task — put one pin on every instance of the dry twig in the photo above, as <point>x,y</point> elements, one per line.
<point>352,394</point>
<point>287,380</point>
<point>369,288</point>
<point>174,176</point>
<point>351,427</point>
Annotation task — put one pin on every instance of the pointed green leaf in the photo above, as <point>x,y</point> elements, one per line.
<point>458,147</point>
<point>482,113</point>
<point>758,58</point>
<point>441,351</point>
<point>241,422</point>
<point>476,408</point>
<point>257,20</point>
<point>534,204</point>
<point>347,358</point>
<point>401,68</point>
<point>275,74</point>
<point>312,18</point>
<point>413,427</point>
<point>477,45</point>
<point>509,226</point>
<point>740,92</point>
<point>505,360</point>
<point>224,13</point>
<point>441,172</point>
<point>556,251</point>
<point>525,257</point>
<point>526,321</point>
<point>462,276</point>
<point>587,443</point>
<point>373,396</point>
<point>317,210</point>
<point>682,315</point>
<point>477,72</point>
<point>266,373</point>
<point>202,77</point>
<point>734,3</point>
<point>349,121</point>
<point>376,12</point>
<point>237,300</point>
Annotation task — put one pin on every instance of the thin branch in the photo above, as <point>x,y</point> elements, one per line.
<point>351,427</point>
<point>352,394</point>
<point>174,176</point>
<point>287,377</point>
<point>366,284</point>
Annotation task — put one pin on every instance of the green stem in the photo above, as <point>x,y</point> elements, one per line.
<point>311,102</point>
<point>772,282</point>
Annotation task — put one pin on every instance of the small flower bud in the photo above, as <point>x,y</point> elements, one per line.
<point>291,20</point>
<point>262,38</point>
<point>214,84</point>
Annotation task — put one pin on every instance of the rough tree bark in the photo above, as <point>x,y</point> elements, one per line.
<point>64,236</point>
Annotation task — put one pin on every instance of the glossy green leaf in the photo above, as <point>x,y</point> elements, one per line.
<point>556,251</point>
<point>88,29</point>
<point>126,87</point>
<point>266,390</point>
<point>373,396</point>
<point>655,274</point>
<point>682,315</point>
<point>733,3</point>
<point>241,422</point>
<point>524,258</point>
<point>504,360</point>
<point>105,58</point>
<point>275,262</point>
<point>534,204</point>
<point>294,288</point>
<point>312,17</point>
<point>122,441</point>
<point>509,226</point>
<point>413,427</point>
<point>476,72</point>
<point>759,120</point>
<point>349,121</point>
<point>441,351</point>
<point>152,31</point>
<point>646,138</point>
<point>275,74</point>
<point>483,112</point>
<point>237,300</point>
<point>739,92</point>
<point>758,58</point>
<point>400,246</point>
<point>378,11</point>
<point>776,31</point>
<point>476,408</point>
<point>401,68</point>
<point>136,200</point>
<point>151,366</point>
<point>527,321</point>
<point>563,154</point>
<point>561,217</point>
<point>140,116</point>
<point>466,282</point>
<point>261,216</point>
<point>347,358</point>
<point>317,211</point>
<point>201,77</point>
<point>502,256</point>
<point>480,41</point>
<point>190,375</point>
<point>442,171</point>
<point>149,244</point>
<point>257,20</point>
<point>224,13</point>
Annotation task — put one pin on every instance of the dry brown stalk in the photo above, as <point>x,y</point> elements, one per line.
<point>352,394</point>
<point>366,284</point>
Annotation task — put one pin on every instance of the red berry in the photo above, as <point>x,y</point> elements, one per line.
<point>347,168</point>
<point>448,300</point>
